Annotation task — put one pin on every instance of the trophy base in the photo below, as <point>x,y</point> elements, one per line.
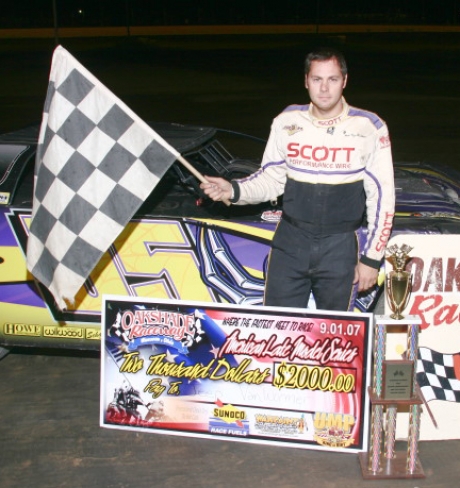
<point>396,316</point>
<point>395,468</point>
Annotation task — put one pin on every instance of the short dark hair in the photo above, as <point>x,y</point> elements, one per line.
<point>324,54</point>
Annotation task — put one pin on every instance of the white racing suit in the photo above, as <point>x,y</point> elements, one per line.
<point>336,175</point>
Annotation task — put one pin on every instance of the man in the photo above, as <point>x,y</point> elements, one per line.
<point>334,166</point>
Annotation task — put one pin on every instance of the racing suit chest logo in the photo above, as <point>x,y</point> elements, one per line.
<point>292,129</point>
<point>319,153</point>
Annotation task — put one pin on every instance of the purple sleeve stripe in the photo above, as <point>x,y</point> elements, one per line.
<point>272,163</point>
<point>261,170</point>
<point>375,119</point>
<point>377,213</point>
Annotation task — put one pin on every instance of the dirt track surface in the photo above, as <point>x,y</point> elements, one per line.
<point>242,82</point>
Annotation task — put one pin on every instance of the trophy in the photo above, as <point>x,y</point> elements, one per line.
<point>398,281</point>
<point>395,384</point>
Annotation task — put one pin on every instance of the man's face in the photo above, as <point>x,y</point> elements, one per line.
<point>325,84</point>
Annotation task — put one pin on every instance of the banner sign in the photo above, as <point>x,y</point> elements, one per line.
<point>291,377</point>
<point>435,299</point>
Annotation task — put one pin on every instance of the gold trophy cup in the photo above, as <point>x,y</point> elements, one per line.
<point>398,281</point>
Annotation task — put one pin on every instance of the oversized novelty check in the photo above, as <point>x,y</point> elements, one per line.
<point>291,377</point>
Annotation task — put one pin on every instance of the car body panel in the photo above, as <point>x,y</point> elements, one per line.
<point>165,258</point>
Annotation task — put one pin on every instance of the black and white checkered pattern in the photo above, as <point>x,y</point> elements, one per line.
<point>116,330</point>
<point>436,376</point>
<point>96,163</point>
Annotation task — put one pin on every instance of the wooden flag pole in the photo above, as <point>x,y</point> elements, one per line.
<point>196,173</point>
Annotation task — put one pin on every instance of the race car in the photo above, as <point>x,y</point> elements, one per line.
<point>179,245</point>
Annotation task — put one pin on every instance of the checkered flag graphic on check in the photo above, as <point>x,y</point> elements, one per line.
<point>96,163</point>
<point>438,376</point>
<point>116,330</point>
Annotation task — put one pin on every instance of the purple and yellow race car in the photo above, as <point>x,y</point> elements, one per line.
<point>180,245</point>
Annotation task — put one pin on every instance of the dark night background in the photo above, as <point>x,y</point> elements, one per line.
<point>73,13</point>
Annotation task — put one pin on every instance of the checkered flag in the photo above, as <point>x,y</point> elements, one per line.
<point>116,330</point>
<point>438,375</point>
<point>96,163</point>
